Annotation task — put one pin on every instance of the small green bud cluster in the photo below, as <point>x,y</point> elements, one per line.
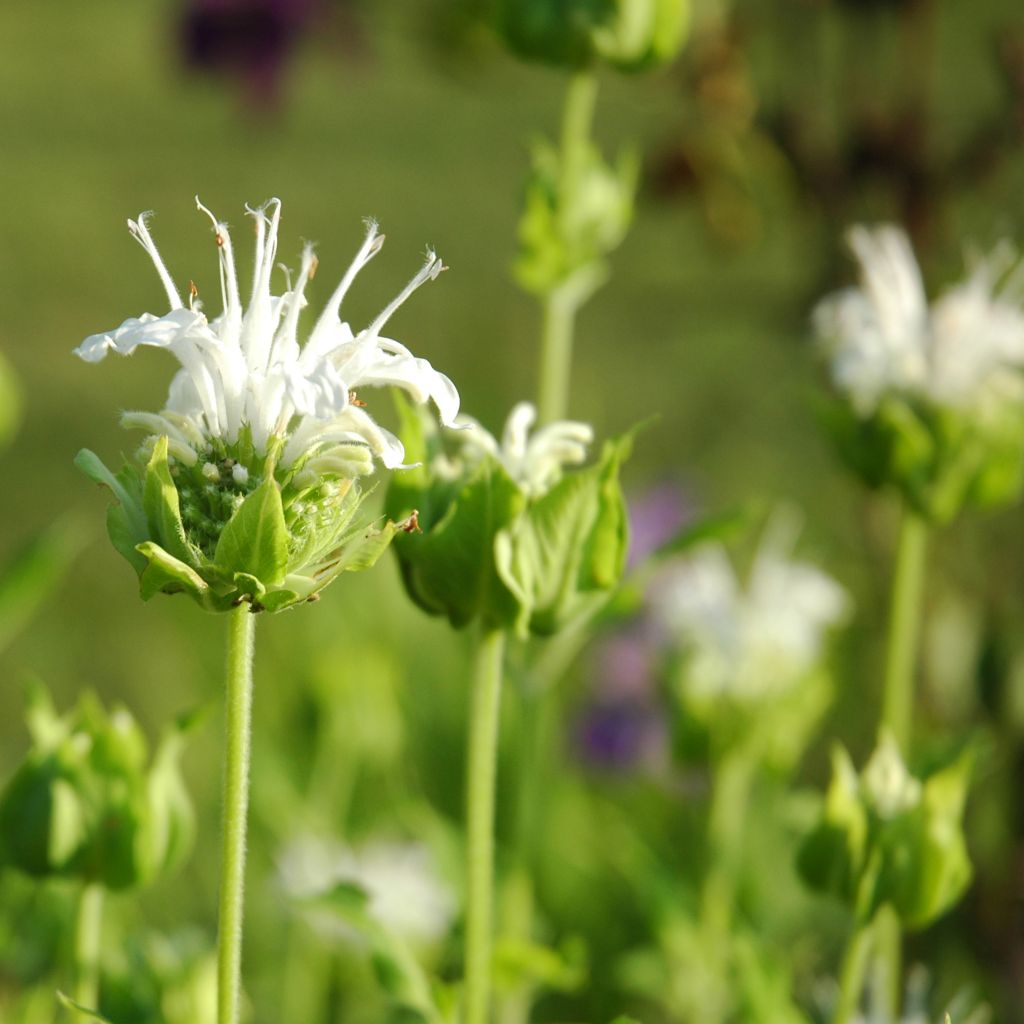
<point>886,837</point>
<point>488,549</point>
<point>233,527</point>
<point>629,35</point>
<point>571,222</point>
<point>84,803</point>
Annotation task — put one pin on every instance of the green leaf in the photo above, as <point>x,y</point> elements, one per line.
<point>126,520</point>
<point>449,569</point>
<point>163,508</point>
<point>168,575</point>
<point>255,539</point>
<point>569,550</point>
<point>68,1003</point>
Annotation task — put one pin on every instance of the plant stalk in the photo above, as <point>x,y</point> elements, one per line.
<point>904,627</point>
<point>560,306</point>
<point>851,978</point>
<point>480,786</point>
<point>238,729</point>
<point>88,938</point>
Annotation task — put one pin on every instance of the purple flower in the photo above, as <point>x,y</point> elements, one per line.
<point>655,516</point>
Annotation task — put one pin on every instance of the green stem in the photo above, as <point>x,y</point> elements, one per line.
<point>560,306</point>
<point>729,800</point>
<point>897,712</point>
<point>480,784</point>
<point>904,627</point>
<point>238,727</point>
<point>88,934</point>
<point>851,980</point>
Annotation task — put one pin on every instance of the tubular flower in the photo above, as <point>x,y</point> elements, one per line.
<point>534,463</point>
<point>253,463</point>
<point>932,394</point>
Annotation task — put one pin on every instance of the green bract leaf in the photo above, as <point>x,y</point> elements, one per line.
<point>569,549</point>
<point>163,573</point>
<point>449,568</point>
<point>255,539</point>
<point>126,520</point>
<point>162,507</point>
<point>70,1004</point>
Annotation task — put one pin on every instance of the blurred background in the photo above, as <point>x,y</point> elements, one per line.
<point>782,122</point>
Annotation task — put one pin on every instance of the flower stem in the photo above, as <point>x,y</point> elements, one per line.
<point>897,711</point>
<point>904,627</point>
<point>238,727</point>
<point>560,306</point>
<point>88,934</point>
<point>480,784</point>
<point>851,979</point>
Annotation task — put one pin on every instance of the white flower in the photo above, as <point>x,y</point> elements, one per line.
<point>245,369</point>
<point>534,463</point>
<point>406,893</point>
<point>748,640</point>
<point>964,350</point>
<point>887,785</point>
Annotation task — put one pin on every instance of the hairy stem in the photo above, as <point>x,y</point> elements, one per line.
<point>238,728</point>
<point>481,774</point>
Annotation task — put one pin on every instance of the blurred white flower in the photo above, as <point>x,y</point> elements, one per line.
<point>886,783</point>
<point>963,351</point>
<point>534,462</point>
<point>748,639</point>
<point>245,369</point>
<point>406,893</point>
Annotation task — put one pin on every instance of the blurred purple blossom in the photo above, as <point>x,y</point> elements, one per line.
<point>655,516</point>
<point>250,38</point>
<point>621,735</point>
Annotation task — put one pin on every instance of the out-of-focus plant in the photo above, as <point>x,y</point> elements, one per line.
<point>751,684</point>
<point>931,407</point>
<point>887,840</point>
<point>87,803</point>
<point>247,491</point>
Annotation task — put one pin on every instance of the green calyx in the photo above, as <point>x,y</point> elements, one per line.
<point>85,804</point>
<point>940,460</point>
<point>234,528</point>
<point>486,551</point>
<point>884,838</point>
<point>630,35</point>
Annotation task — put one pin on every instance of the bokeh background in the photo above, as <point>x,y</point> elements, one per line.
<point>782,122</point>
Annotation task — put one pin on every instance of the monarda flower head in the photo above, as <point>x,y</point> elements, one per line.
<point>933,394</point>
<point>513,532</point>
<point>247,486</point>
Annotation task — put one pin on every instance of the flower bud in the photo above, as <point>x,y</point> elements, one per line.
<point>504,533</point>
<point>887,838</point>
<point>84,803</point>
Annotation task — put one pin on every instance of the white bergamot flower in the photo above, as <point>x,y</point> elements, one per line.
<point>245,369</point>
<point>749,638</point>
<point>534,462</point>
<point>962,351</point>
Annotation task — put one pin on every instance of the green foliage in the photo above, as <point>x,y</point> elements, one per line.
<point>940,460</point>
<point>885,839</point>
<point>272,540</point>
<point>83,804</point>
<point>631,35</point>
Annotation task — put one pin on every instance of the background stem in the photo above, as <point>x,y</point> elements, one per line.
<point>480,784</point>
<point>851,978</point>
<point>904,627</point>
<point>88,935</point>
<point>560,306</point>
<point>238,727</point>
